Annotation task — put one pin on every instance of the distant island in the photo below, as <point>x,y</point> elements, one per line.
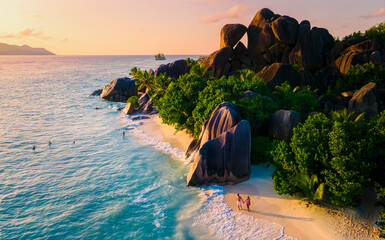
<point>160,56</point>
<point>6,49</point>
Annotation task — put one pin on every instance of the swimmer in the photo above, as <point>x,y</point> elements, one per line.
<point>123,134</point>
<point>73,142</point>
<point>49,143</point>
<point>239,202</point>
<point>33,147</point>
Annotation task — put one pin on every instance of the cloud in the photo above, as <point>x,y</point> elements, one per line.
<point>379,13</point>
<point>37,15</point>
<point>29,32</point>
<point>234,12</point>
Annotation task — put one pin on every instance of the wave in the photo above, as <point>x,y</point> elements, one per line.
<point>228,224</point>
<point>143,138</point>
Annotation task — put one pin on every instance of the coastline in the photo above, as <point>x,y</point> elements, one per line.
<point>154,127</point>
<point>299,219</point>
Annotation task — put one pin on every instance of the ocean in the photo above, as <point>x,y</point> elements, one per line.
<point>91,183</point>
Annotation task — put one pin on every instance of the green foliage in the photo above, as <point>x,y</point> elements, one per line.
<point>376,32</point>
<point>190,99</point>
<point>154,86</point>
<point>353,35</point>
<point>145,80</point>
<point>134,100</point>
<point>286,171</point>
<point>300,99</point>
<point>341,152</point>
<point>359,75</point>
<point>377,131</point>
<point>297,67</point>
<point>160,56</point>
<point>232,89</point>
<point>261,148</point>
<point>348,174</point>
<point>310,187</point>
<point>180,99</point>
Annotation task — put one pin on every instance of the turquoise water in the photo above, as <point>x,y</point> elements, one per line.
<point>91,183</point>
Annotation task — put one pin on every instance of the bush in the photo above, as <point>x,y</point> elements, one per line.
<point>377,32</point>
<point>134,100</point>
<point>359,75</point>
<point>180,99</point>
<point>232,89</point>
<point>300,99</point>
<point>260,149</point>
<point>338,151</point>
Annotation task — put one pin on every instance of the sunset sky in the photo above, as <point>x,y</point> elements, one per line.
<point>120,27</point>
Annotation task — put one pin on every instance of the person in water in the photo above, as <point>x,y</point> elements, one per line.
<point>248,203</point>
<point>123,134</point>
<point>239,201</point>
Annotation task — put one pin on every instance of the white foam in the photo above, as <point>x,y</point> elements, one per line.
<point>148,140</point>
<point>225,223</point>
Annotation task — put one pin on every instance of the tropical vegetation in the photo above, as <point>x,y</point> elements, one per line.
<point>334,157</point>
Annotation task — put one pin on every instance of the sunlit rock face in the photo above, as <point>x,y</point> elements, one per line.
<point>222,150</point>
<point>119,90</point>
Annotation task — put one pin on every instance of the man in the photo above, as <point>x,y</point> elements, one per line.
<point>239,202</point>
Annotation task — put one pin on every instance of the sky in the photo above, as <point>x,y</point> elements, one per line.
<point>135,27</point>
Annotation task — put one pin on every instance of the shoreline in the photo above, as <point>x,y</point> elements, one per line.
<point>154,127</point>
<point>299,219</point>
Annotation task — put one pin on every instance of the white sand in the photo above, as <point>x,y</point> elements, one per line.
<point>165,133</point>
<point>300,220</point>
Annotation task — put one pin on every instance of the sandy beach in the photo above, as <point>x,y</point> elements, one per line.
<point>165,133</point>
<point>300,219</point>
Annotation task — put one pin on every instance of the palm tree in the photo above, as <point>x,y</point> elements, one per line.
<point>145,79</point>
<point>308,186</point>
<point>344,115</point>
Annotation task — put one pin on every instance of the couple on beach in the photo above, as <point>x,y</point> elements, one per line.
<point>240,201</point>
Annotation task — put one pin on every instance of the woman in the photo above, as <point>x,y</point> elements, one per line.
<point>248,203</point>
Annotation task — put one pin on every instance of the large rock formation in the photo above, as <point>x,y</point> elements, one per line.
<point>223,160</point>
<point>120,90</point>
<point>174,69</point>
<point>225,116</point>
<point>260,35</point>
<point>278,73</point>
<point>129,109</point>
<point>366,100</point>
<point>285,29</point>
<point>356,51</point>
<point>218,62</point>
<point>223,149</point>
<point>282,124</point>
<point>312,48</point>
<point>231,34</point>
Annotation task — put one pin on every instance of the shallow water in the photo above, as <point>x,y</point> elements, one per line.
<point>91,183</point>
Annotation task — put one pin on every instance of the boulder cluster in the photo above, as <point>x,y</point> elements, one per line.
<point>277,43</point>
<point>279,49</point>
<point>120,90</point>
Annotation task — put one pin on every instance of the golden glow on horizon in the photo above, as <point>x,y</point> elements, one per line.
<point>119,27</point>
